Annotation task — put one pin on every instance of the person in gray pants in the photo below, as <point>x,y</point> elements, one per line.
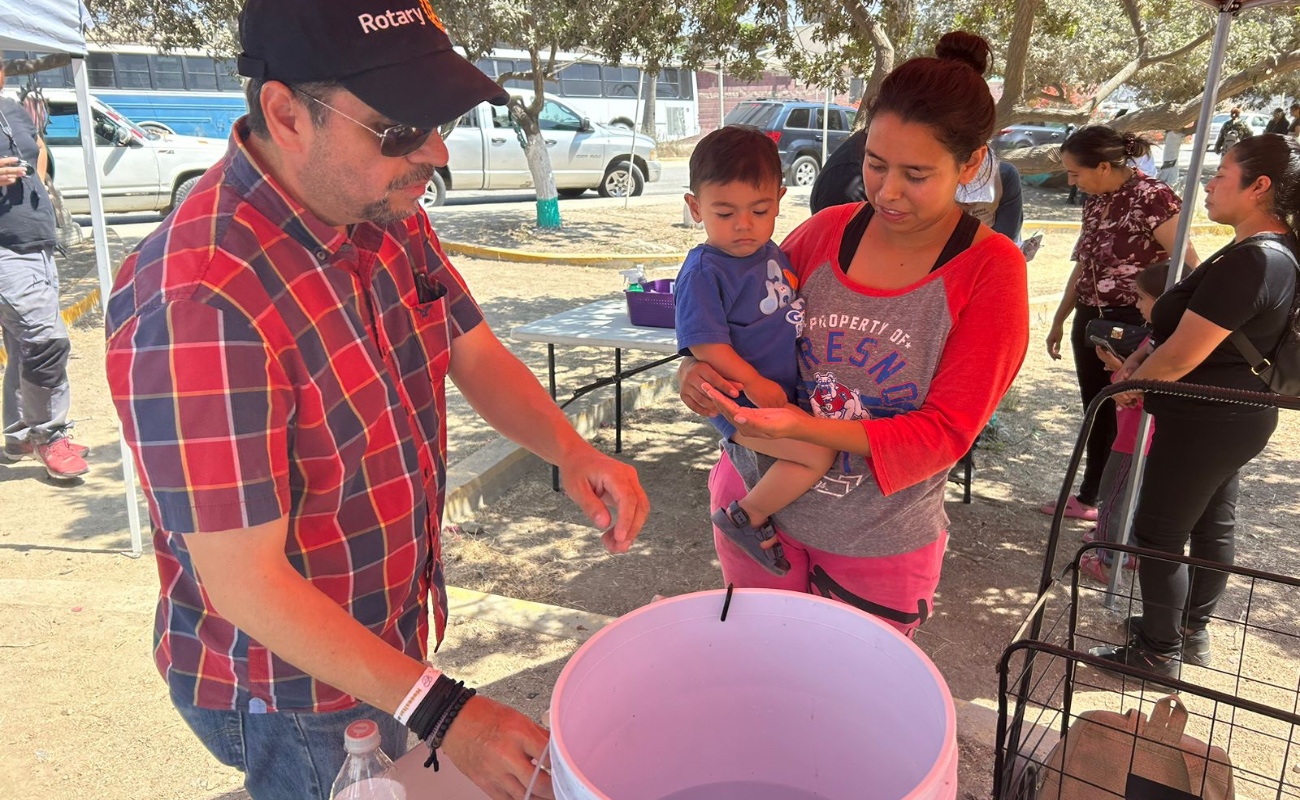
<point>35,390</point>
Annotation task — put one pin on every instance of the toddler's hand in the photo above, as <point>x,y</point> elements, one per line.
<point>766,394</point>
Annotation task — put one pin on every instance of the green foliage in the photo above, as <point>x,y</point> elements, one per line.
<point>168,24</point>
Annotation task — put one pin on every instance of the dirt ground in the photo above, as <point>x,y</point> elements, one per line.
<point>84,713</point>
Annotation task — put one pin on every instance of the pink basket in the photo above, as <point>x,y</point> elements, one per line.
<point>656,307</point>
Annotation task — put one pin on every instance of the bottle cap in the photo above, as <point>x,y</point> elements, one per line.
<point>361,736</point>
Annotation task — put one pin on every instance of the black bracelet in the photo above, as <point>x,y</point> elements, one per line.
<point>424,719</point>
<point>434,741</point>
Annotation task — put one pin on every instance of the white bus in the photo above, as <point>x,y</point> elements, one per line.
<point>607,94</point>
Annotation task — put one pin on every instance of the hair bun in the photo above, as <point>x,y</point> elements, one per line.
<point>965,47</point>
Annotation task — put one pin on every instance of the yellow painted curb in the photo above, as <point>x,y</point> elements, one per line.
<point>71,314</point>
<point>572,259</point>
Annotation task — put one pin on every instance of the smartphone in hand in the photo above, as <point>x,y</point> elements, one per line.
<point>1105,344</point>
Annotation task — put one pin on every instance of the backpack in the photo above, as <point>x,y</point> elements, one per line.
<point>1281,373</point>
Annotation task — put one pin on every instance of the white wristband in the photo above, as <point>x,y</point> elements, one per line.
<point>417,693</point>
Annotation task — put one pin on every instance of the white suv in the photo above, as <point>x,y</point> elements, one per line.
<point>484,152</point>
<point>139,170</point>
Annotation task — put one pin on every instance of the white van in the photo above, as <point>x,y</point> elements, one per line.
<point>485,153</point>
<point>139,170</point>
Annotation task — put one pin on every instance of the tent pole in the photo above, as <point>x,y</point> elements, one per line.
<point>1211,95</point>
<point>1128,506</point>
<point>105,269</point>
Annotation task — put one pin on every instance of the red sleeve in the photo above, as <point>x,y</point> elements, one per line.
<point>989,305</point>
<point>817,239</point>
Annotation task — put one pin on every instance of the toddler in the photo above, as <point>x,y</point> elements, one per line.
<point>737,312</point>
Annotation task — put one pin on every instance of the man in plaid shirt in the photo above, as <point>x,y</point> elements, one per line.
<point>277,352</point>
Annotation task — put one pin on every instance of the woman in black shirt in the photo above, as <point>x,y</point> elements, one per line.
<point>1190,486</point>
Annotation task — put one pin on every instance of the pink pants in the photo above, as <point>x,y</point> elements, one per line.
<point>898,589</point>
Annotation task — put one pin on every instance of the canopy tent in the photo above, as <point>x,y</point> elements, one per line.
<point>58,26</point>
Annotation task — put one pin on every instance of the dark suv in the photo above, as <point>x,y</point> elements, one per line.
<point>796,126</point>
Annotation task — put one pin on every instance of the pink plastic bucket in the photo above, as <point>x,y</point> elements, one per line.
<point>794,697</point>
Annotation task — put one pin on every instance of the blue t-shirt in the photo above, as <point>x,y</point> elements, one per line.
<point>749,303</point>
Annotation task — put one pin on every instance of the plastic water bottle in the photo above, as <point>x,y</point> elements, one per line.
<point>367,773</point>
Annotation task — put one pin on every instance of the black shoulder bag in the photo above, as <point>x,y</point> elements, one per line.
<point>1281,373</point>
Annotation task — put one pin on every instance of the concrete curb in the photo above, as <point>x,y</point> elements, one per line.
<point>1031,225</point>
<point>670,259</point>
<point>557,621</point>
<point>490,472</point>
<point>569,259</point>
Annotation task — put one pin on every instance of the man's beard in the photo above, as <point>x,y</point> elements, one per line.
<point>381,212</point>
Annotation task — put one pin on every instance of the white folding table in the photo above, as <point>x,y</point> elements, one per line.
<point>600,324</point>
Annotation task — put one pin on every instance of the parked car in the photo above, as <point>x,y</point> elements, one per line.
<point>1014,137</point>
<point>1256,122</point>
<point>796,126</point>
<point>484,152</point>
<point>139,170</point>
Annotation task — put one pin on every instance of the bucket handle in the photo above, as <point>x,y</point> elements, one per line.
<point>537,770</point>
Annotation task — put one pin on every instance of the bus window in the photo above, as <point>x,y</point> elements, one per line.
<point>228,76</point>
<point>133,71</point>
<point>685,82</point>
<point>167,72</point>
<point>99,67</point>
<point>620,81</point>
<point>581,80</point>
<point>667,87</point>
<point>201,73</point>
<point>487,66</point>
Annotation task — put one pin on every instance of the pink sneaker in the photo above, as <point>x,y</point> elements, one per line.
<point>20,450</point>
<point>61,459</point>
<point>1092,565</point>
<point>1073,508</point>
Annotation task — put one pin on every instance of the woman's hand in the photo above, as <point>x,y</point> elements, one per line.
<point>1128,399</point>
<point>1131,363</point>
<point>766,394</point>
<point>1112,363</point>
<point>692,376</point>
<point>761,423</point>
<point>1054,338</point>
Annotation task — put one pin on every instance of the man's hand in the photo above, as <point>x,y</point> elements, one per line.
<point>692,375</point>
<point>10,172</point>
<point>766,394</point>
<point>494,746</point>
<point>597,482</point>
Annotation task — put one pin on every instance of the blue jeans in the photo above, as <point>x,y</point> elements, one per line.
<point>286,755</point>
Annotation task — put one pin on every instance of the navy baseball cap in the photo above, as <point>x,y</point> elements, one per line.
<point>394,55</point>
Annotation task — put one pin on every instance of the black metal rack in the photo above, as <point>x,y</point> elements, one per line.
<point>1247,701</point>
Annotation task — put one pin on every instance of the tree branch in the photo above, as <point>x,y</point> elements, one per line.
<point>1163,117</point>
<point>882,59</point>
<point>1013,75</point>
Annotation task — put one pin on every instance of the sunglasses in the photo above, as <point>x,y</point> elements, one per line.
<point>395,141</point>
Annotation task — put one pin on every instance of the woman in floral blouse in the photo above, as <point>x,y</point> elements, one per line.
<point>1130,221</point>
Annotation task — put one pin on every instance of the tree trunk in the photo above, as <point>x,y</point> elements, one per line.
<point>539,166</point>
<point>651,103</point>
